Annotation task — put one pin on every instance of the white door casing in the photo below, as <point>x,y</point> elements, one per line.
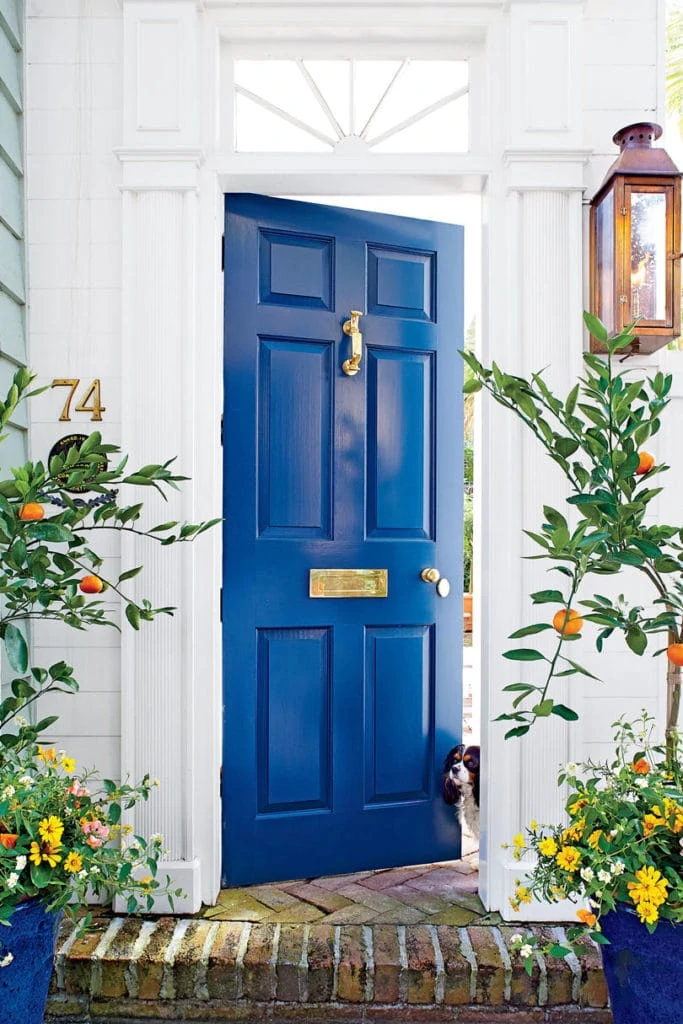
<point>176,164</point>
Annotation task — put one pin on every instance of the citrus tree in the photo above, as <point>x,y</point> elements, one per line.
<point>595,434</point>
<point>49,566</point>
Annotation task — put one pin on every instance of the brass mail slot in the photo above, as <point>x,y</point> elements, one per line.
<point>348,582</point>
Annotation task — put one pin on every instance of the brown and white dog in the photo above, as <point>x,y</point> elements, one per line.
<point>460,784</point>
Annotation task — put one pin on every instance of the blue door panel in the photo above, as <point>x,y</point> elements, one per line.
<point>295,437</point>
<point>338,712</point>
<point>401,283</point>
<point>399,443</point>
<point>399,714</point>
<point>294,672</point>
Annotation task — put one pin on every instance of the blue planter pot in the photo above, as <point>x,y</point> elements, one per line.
<point>644,972</point>
<point>24,983</point>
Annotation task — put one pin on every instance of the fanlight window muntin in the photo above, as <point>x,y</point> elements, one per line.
<point>351,106</point>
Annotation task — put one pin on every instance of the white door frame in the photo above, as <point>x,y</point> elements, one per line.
<point>175,172</point>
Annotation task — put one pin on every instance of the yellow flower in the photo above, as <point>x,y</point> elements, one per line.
<point>647,912</point>
<point>51,830</point>
<point>574,833</point>
<point>568,858</point>
<point>578,805</point>
<point>548,846</point>
<point>146,880</point>
<point>68,764</point>
<point>522,894</point>
<point>518,841</point>
<point>585,917</point>
<point>45,853</point>
<point>46,754</point>
<point>558,891</point>
<point>650,887</point>
<point>672,810</point>
<point>653,821</point>
<point>73,862</point>
<point>533,824</point>
<point>594,839</point>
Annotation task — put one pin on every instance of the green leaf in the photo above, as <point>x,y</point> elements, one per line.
<point>524,654</point>
<point>596,327</point>
<point>51,532</point>
<point>519,730</point>
<point>470,387</point>
<point>129,574</point>
<point>17,649</point>
<point>41,875</point>
<point>566,446</point>
<point>543,709</point>
<point>547,597</point>
<point>636,639</point>
<point>562,711</point>
<point>133,615</point>
<point>538,627</point>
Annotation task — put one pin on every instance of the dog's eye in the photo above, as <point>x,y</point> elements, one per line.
<point>458,757</point>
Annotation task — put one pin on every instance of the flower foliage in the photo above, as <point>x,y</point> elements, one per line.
<point>622,842</point>
<point>61,837</point>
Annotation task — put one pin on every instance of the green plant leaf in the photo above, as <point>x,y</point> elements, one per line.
<point>519,730</point>
<point>524,654</point>
<point>636,639</point>
<point>51,532</point>
<point>562,711</point>
<point>538,627</point>
<point>543,709</point>
<point>133,615</point>
<point>16,648</point>
<point>596,327</point>
<point>547,597</point>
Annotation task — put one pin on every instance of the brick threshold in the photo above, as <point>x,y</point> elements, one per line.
<point>170,969</point>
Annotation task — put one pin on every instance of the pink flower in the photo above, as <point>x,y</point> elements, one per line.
<point>77,790</point>
<point>95,829</point>
<point>93,842</point>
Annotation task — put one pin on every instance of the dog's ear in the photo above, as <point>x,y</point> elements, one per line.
<point>449,790</point>
<point>452,757</point>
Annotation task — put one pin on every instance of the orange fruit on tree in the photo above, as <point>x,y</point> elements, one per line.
<point>567,621</point>
<point>31,510</point>
<point>91,585</point>
<point>674,653</point>
<point>645,463</point>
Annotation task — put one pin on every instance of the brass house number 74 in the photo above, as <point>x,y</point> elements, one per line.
<point>92,396</point>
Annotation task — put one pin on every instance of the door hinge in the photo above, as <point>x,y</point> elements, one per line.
<point>220,782</point>
<point>222,252</point>
<point>220,604</point>
<point>221,431</point>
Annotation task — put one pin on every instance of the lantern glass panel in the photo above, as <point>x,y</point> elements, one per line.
<point>604,255</point>
<point>648,256</point>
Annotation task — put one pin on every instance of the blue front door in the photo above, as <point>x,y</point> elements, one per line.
<point>339,710</point>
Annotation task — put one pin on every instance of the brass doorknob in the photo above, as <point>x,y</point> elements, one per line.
<point>443,587</point>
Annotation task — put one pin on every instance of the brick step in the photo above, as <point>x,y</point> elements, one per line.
<point>201,970</point>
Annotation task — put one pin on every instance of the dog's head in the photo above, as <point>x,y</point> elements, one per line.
<point>460,771</point>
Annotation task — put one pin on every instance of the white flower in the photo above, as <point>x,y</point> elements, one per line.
<point>6,960</point>
<point>26,780</point>
<point>94,870</point>
<point>526,950</point>
<point>613,833</point>
<point>21,721</point>
<point>604,876</point>
<point>571,768</point>
<point>515,938</point>
<point>640,783</point>
<point>617,867</point>
<point>21,862</point>
<point>598,894</point>
<point>156,837</point>
<point>587,874</point>
<point>12,880</point>
<point>7,792</point>
<point>155,782</point>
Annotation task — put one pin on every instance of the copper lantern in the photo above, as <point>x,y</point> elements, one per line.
<point>635,243</point>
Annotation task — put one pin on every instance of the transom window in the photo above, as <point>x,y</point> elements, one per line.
<point>354,106</point>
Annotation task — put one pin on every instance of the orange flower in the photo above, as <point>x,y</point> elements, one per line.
<point>585,917</point>
<point>8,840</point>
<point>641,767</point>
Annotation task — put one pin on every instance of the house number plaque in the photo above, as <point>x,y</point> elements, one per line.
<point>90,395</point>
<point>348,582</point>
